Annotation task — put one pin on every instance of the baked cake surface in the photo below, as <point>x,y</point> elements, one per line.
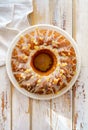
<point>43,61</point>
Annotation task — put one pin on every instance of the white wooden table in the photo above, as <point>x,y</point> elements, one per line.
<point>68,112</point>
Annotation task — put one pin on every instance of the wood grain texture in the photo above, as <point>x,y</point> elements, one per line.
<point>5,101</point>
<point>40,118</point>
<point>80,115</point>
<point>81,26</point>
<point>40,13</point>
<point>81,101</point>
<point>62,112</point>
<point>20,111</point>
<point>61,14</point>
<point>62,106</point>
<point>41,115</point>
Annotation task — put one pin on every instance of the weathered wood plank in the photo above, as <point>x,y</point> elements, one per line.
<point>62,106</point>
<point>62,112</point>
<point>40,12</point>
<point>80,116</point>
<point>20,104</point>
<point>5,100</point>
<point>40,109</point>
<point>61,14</point>
<point>20,111</point>
<point>81,28</point>
<point>41,115</point>
<point>81,101</point>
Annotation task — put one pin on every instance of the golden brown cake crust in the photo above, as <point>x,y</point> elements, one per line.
<point>60,57</point>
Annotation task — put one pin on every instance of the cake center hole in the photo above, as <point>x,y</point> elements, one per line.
<point>42,61</point>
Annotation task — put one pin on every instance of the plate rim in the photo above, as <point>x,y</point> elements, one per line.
<point>37,96</point>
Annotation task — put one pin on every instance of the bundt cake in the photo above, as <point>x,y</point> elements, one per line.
<point>43,61</point>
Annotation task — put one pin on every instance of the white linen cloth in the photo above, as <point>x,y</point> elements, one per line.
<point>13,19</point>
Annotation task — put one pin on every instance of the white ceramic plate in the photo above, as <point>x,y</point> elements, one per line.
<point>9,70</point>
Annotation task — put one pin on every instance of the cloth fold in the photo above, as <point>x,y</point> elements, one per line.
<point>13,19</point>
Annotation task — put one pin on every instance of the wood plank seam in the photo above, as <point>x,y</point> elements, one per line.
<point>30,118</point>
<point>74,37</point>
